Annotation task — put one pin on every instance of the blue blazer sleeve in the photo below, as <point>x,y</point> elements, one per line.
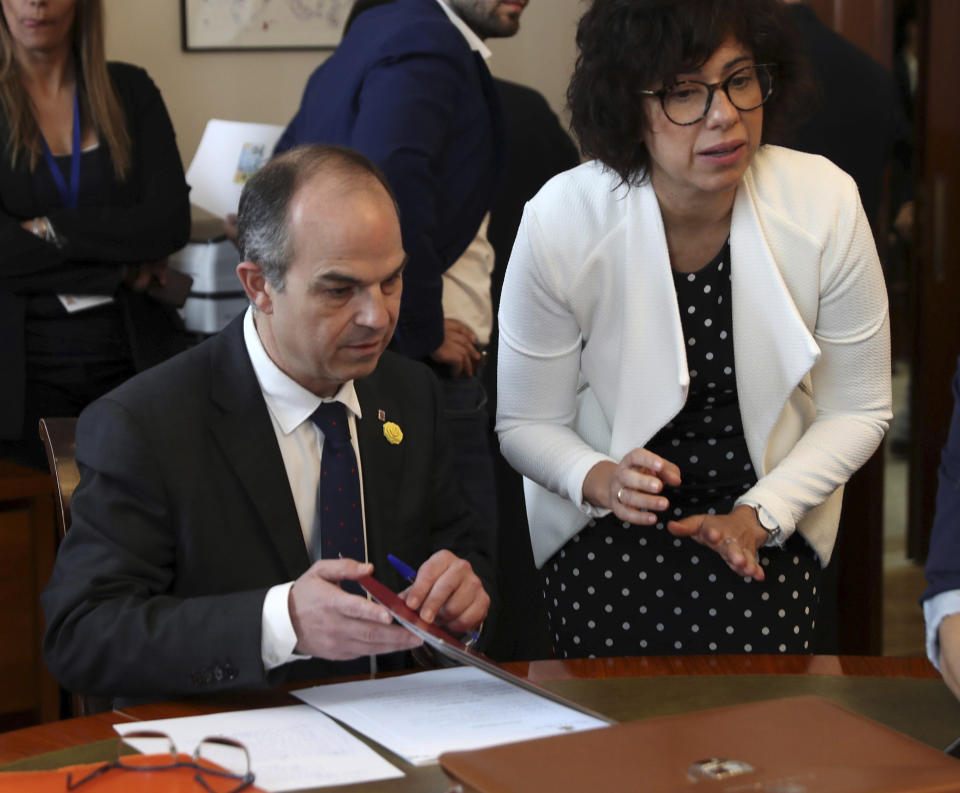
<point>943,561</point>
<point>405,89</point>
<point>403,124</point>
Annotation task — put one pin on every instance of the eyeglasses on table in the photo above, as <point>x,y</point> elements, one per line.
<point>231,756</point>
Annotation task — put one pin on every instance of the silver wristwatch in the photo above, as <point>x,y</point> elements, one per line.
<point>767,522</point>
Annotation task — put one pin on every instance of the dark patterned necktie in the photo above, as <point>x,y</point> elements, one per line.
<point>338,528</point>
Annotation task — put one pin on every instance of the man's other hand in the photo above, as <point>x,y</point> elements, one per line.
<point>459,350</point>
<point>336,625</point>
<point>447,591</point>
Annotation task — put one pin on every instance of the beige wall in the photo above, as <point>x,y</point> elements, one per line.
<point>266,86</point>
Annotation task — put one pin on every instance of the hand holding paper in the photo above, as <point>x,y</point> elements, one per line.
<point>333,624</point>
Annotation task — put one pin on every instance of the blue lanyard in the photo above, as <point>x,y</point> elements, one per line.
<point>71,194</point>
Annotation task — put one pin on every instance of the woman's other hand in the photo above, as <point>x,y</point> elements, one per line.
<point>140,277</point>
<point>736,537</point>
<point>632,487</point>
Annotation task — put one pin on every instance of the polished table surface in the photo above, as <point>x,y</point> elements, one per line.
<point>905,693</point>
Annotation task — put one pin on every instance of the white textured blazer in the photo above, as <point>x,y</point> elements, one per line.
<point>592,358</point>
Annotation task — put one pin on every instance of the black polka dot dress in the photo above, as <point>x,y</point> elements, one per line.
<point>621,589</point>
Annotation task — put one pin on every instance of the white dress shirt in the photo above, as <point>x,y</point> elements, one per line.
<point>290,406</point>
<point>935,611</point>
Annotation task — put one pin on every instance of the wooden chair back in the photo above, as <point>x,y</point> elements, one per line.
<point>59,440</point>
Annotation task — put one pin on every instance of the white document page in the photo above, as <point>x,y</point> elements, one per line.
<point>290,748</point>
<point>229,153</point>
<point>75,303</point>
<point>420,716</point>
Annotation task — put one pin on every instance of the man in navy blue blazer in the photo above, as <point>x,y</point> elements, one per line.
<point>409,87</point>
<point>941,601</point>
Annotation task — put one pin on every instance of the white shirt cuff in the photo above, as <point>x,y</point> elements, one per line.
<point>277,636</point>
<point>935,611</point>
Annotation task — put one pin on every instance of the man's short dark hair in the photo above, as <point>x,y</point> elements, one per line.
<point>631,45</point>
<point>262,220</point>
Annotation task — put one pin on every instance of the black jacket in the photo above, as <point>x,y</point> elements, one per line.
<point>144,218</point>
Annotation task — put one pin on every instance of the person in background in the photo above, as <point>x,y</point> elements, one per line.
<point>92,201</point>
<point>694,342</point>
<point>941,600</point>
<point>409,87</point>
<point>856,119</point>
<point>536,147</point>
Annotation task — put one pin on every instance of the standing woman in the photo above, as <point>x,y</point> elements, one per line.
<point>92,200</point>
<point>694,343</point>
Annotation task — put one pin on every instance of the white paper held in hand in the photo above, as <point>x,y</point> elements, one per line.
<point>229,153</point>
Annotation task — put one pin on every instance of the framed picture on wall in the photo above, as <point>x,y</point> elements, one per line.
<point>262,24</point>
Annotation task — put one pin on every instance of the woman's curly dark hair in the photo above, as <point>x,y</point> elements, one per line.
<point>629,45</point>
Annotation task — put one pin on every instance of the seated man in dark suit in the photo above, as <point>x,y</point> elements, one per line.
<point>941,601</point>
<point>203,555</point>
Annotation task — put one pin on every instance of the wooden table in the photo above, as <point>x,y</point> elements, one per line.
<point>905,693</point>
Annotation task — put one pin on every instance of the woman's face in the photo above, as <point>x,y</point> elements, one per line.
<point>39,26</point>
<point>707,158</point>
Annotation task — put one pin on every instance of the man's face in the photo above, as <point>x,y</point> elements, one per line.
<point>338,307</point>
<point>490,18</point>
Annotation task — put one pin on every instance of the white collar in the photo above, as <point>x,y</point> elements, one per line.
<point>289,402</point>
<point>475,42</point>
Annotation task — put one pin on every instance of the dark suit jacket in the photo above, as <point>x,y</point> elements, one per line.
<point>184,518</point>
<point>144,218</point>
<point>857,119</point>
<point>943,560</point>
<point>404,88</point>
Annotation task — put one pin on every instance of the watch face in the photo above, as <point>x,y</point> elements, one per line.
<point>767,521</point>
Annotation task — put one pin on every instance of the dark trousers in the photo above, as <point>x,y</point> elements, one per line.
<point>57,392</point>
<point>465,402</point>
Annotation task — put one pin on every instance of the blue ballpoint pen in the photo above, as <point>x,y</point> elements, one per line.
<point>403,568</point>
<point>411,575</point>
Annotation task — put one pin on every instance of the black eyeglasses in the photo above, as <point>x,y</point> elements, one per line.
<point>688,101</point>
<point>231,756</point>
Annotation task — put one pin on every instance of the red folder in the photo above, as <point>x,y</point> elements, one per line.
<point>796,744</point>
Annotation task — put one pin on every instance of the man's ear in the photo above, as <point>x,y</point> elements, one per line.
<point>255,285</point>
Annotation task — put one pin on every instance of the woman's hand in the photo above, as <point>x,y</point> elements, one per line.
<point>630,488</point>
<point>736,537</point>
<point>140,277</point>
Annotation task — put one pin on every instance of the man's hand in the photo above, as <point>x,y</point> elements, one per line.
<point>736,537</point>
<point>447,590</point>
<point>336,625</point>
<point>459,349</point>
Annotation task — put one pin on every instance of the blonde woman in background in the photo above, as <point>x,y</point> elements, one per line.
<point>92,201</point>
